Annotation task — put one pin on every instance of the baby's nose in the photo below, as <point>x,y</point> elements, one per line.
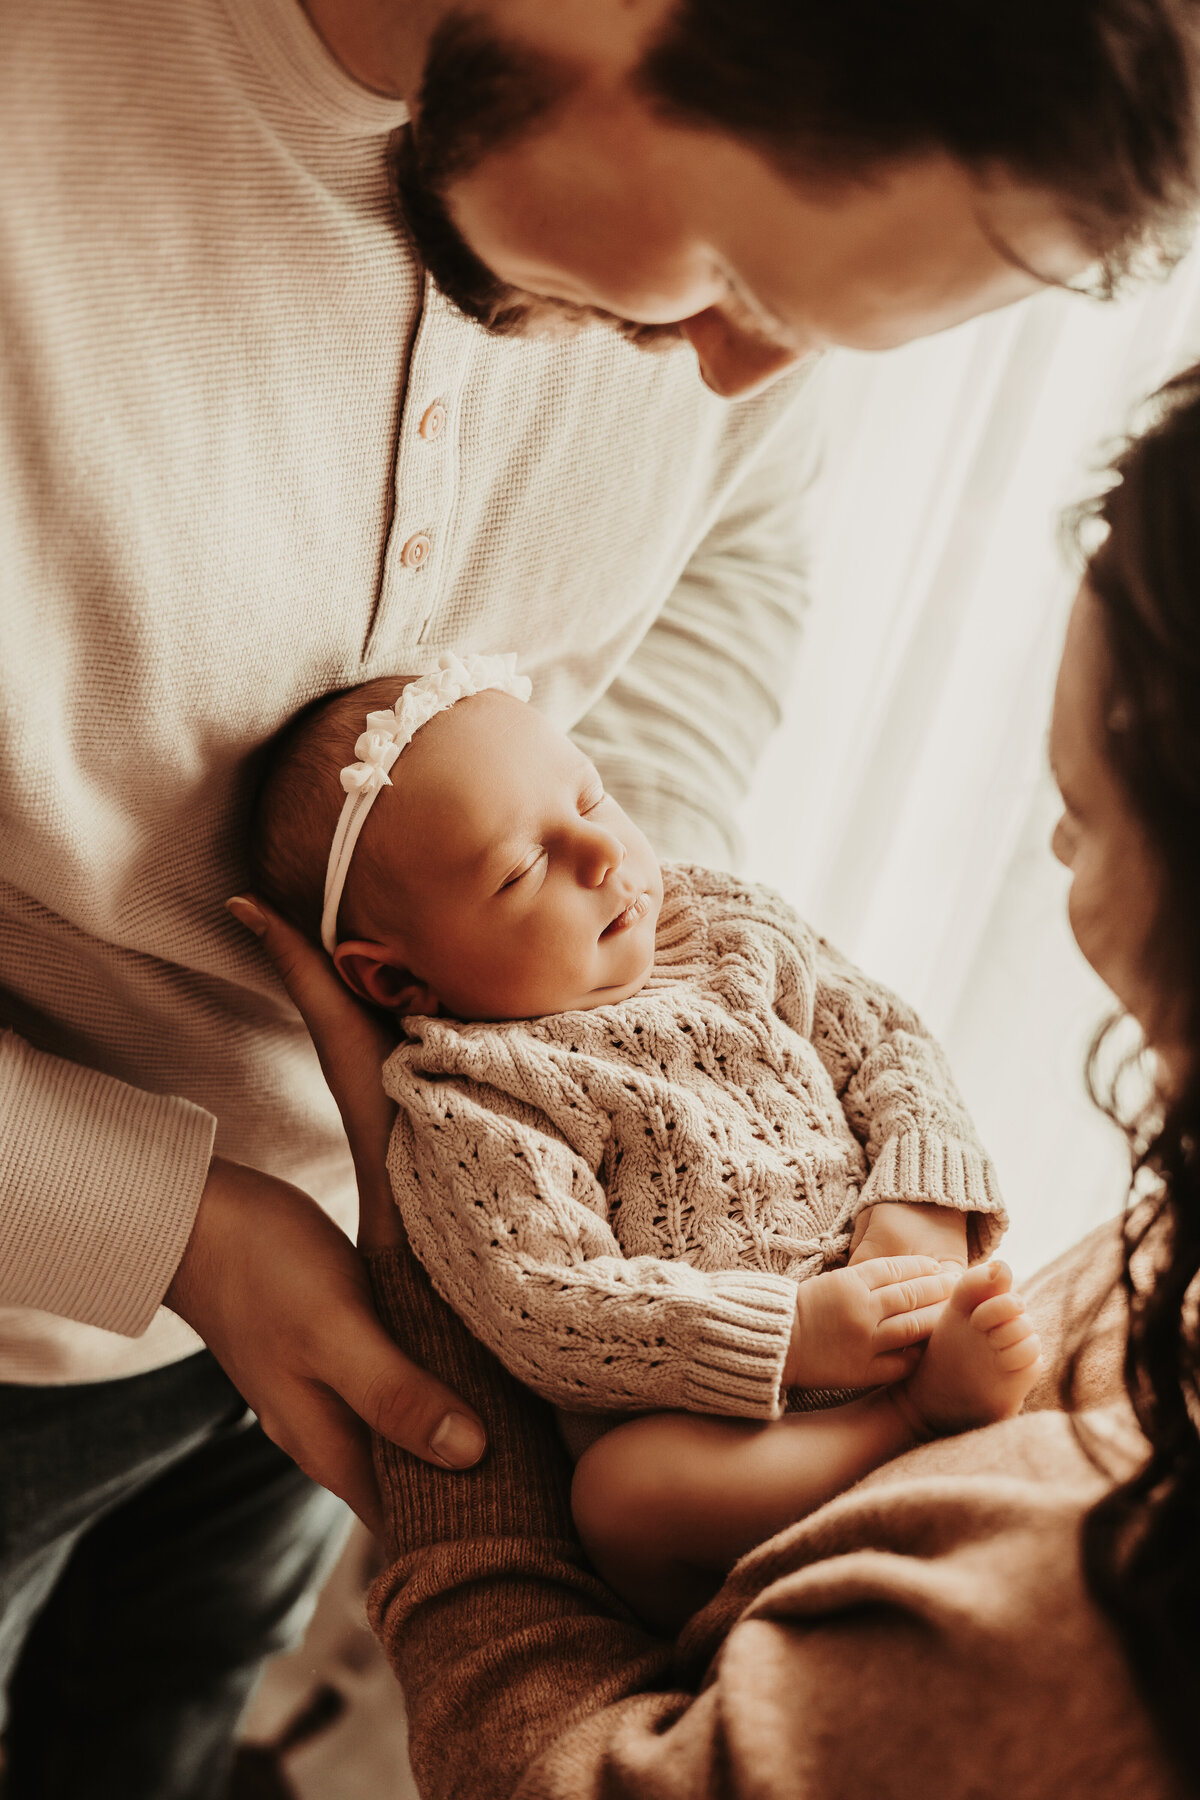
<point>603,853</point>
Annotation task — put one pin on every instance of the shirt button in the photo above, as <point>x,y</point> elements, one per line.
<point>416,551</point>
<point>433,421</point>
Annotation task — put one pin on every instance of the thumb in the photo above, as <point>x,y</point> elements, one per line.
<point>405,1404</point>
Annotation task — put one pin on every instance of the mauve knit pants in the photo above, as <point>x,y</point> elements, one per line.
<point>155,1547</point>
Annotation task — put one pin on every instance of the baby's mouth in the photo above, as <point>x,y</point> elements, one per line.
<point>629,915</point>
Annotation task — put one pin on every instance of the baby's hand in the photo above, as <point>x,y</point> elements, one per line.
<point>859,1327</point>
<point>911,1228</point>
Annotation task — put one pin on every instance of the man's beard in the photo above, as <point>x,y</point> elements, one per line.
<point>480,94</point>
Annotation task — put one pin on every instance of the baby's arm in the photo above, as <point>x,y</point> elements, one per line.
<point>511,1224</point>
<point>901,1102</point>
<point>911,1228</point>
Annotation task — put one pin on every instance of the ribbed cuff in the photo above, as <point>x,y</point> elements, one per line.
<point>738,1368</point>
<point>99,1185</point>
<point>940,1171</point>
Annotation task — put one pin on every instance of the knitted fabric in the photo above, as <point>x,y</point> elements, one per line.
<point>929,1633</point>
<point>218,353</point>
<point>620,1202</point>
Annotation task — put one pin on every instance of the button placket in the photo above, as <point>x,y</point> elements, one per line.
<point>426,475</point>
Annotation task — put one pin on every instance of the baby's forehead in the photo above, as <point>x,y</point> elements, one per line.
<point>479,772</point>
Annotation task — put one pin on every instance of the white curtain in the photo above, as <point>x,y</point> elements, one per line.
<point>904,805</point>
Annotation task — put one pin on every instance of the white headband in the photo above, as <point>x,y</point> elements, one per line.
<point>387,734</point>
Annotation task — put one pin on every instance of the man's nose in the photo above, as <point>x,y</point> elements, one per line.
<point>732,361</point>
<point>598,854</point>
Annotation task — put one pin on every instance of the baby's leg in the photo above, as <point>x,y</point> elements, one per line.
<point>666,1504</point>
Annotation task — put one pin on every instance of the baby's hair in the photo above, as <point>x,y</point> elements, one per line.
<point>300,798</point>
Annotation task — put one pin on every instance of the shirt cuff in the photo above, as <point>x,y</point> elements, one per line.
<point>100,1184</point>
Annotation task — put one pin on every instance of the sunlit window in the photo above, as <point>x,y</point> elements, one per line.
<point>904,806</point>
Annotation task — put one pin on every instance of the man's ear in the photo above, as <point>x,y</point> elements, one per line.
<point>368,971</point>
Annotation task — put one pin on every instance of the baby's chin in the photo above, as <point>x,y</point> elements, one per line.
<point>612,996</point>
<point>639,972</point>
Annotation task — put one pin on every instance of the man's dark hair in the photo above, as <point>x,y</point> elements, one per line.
<point>1097,102</point>
<point>1094,102</point>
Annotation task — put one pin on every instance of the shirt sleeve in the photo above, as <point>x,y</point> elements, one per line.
<point>899,1098</point>
<point>925,1634</point>
<point>677,734</point>
<point>99,1185</point>
<point>511,1224</point>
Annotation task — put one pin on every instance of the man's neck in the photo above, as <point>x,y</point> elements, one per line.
<point>381,43</point>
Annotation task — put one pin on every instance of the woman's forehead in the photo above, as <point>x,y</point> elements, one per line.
<point>1075,727</point>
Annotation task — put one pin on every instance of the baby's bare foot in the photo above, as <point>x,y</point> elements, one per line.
<point>981,1359</point>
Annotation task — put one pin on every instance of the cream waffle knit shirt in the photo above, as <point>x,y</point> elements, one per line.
<point>218,351</point>
<point>620,1202</point>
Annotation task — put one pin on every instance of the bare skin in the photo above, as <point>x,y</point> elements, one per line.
<point>666,1504</point>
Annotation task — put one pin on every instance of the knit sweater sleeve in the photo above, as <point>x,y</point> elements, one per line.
<point>511,1224</point>
<point>895,1086</point>
<point>99,1183</point>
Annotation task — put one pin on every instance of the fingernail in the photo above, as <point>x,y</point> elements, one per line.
<point>247,914</point>
<point>458,1441</point>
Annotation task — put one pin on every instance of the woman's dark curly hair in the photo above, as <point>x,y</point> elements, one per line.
<point>1141,1543</point>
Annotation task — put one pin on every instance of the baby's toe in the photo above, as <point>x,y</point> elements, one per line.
<point>1021,1355</point>
<point>1008,1333</point>
<point>1001,1309</point>
<point>984,1282</point>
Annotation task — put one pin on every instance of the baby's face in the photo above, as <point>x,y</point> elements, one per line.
<point>521,888</point>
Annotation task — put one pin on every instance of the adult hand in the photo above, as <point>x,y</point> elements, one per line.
<point>911,1228</point>
<point>280,1295</point>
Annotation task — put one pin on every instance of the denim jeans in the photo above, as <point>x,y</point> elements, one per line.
<point>155,1548</point>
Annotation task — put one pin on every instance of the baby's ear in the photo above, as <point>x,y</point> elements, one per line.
<point>367,972</point>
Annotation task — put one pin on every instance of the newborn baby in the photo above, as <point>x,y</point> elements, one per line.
<point>640,1112</point>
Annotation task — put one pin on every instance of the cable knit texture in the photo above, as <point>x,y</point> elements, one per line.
<point>620,1202</point>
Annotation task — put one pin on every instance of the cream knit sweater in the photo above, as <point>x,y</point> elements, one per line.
<point>217,353</point>
<point>620,1202</point>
